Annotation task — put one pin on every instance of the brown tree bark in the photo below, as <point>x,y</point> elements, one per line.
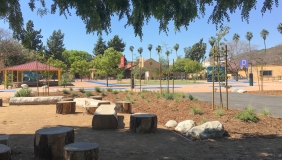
<point>65,107</point>
<point>123,107</point>
<point>143,123</point>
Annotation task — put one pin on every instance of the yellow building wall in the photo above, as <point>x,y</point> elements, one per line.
<point>276,72</point>
<point>151,65</point>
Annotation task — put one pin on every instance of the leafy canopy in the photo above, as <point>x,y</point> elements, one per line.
<point>196,52</point>
<point>55,45</point>
<point>97,14</point>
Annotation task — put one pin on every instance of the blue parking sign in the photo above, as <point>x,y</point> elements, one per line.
<point>244,63</point>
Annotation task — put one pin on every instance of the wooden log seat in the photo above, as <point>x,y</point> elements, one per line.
<point>65,107</point>
<point>67,99</point>
<point>96,97</point>
<point>91,105</point>
<point>1,102</point>
<point>4,139</point>
<point>49,142</point>
<point>81,151</point>
<point>143,123</point>
<point>123,107</point>
<point>105,117</point>
<point>5,152</point>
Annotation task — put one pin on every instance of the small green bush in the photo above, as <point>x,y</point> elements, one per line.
<point>248,114</point>
<point>142,96</point>
<point>196,110</point>
<point>23,93</point>
<point>169,96</point>
<point>115,92</point>
<point>265,112</point>
<point>191,97</point>
<point>88,93</point>
<point>219,112</point>
<point>65,91</point>
<point>103,94</point>
<point>71,89</point>
<point>73,94</point>
<point>131,92</point>
<point>109,89</point>
<point>81,90</point>
<point>97,89</point>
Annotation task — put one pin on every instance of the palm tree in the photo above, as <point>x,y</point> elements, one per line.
<point>150,46</point>
<point>159,50</point>
<point>176,46</point>
<point>264,33</point>
<point>131,48</point>
<point>279,28</point>
<point>236,38</point>
<point>140,50</point>
<point>249,37</point>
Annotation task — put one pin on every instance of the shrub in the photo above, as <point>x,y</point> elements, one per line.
<point>97,89</point>
<point>65,91</point>
<point>191,97</point>
<point>23,93</point>
<point>148,100</point>
<point>248,114</point>
<point>73,94</point>
<point>71,89</point>
<point>88,93</point>
<point>103,94</point>
<point>109,89</point>
<point>169,96</point>
<point>265,112</point>
<point>115,92</point>
<point>81,90</point>
<point>219,112</point>
<point>196,110</point>
<point>131,92</point>
<point>142,96</point>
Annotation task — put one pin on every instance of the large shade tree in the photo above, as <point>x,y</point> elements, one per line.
<point>97,14</point>
<point>116,43</point>
<point>99,47</point>
<point>55,45</point>
<point>196,52</point>
<point>30,38</point>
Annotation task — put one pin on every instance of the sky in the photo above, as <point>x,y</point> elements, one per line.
<point>77,39</point>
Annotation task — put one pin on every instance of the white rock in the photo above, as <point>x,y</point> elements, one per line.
<point>185,126</point>
<point>25,86</point>
<point>235,90</point>
<point>241,91</point>
<point>212,129</point>
<point>171,123</point>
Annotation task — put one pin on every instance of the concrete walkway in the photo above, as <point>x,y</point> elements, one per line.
<point>242,100</point>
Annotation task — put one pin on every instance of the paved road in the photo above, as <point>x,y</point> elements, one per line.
<point>242,100</point>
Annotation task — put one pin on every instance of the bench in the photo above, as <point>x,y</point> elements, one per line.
<point>143,123</point>
<point>65,107</point>
<point>105,117</point>
<point>5,152</point>
<point>81,151</point>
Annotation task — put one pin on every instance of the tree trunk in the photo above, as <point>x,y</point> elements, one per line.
<point>143,123</point>
<point>49,142</point>
<point>237,78</point>
<point>1,102</point>
<point>218,77</point>
<point>107,80</point>
<point>65,107</point>
<point>123,107</point>
<point>81,151</point>
<point>5,152</point>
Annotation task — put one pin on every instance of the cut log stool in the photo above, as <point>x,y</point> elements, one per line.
<point>123,107</point>
<point>81,151</point>
<point>105,117</point>
<point>5,152</point>
<point>97,97</point>
<point>65,107</point>
<point>143,123</point>
<point>67,99</point>
<point>4,139</point>
<point>49,142</point>
<point>1,102</point>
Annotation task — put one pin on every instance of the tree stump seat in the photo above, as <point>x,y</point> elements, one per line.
<point>1,102</point>
<point>96,97</point>
<point>105,117</point>
<point>4,139</point>
<point>65,107</point>
<point>143,123</point>
<point>81,151</point>
<point>49,142</point>
<point>5,152</point>
<point>91,105</point>
<point>124,107</point>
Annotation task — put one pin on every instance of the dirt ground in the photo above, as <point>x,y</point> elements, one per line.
<point>247,140</point>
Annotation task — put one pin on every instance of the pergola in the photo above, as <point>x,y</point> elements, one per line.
<point>30,67</point>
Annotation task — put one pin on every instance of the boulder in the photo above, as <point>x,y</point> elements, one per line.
<point>185,126</point>
<point>80,102</point>
<point>91,105</point>
<point>171,123</point>
<point>235,90</point>
<point>34,100</point>
<point>25,86</point>
<point>212,129</point>
<point>241,91</point>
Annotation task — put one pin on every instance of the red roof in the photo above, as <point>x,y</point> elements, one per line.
<point>32,66</point>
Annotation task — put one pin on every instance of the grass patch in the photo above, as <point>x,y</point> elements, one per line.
<point>196,110</point>
<point>88,93</point>
<point>248,114</point>
<point>109,89</point>
<point>103,94</point>
<point>98,89</point>
<point>265,112</point>
<point>191,97</point>
<point>115,92</point>
<point>73,94</point>
<point>71,89</point>
<point>65,91</point>
<point>219,112</point>
<point>81,90</point>
<point>23,93</point>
